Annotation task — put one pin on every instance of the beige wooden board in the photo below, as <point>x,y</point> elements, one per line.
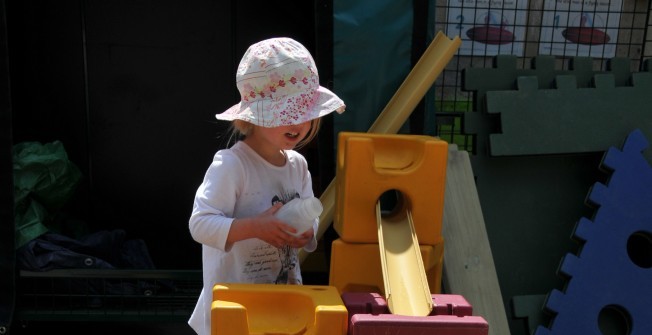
<point>468,268</point>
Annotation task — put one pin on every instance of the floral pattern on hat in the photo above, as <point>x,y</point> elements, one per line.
<point>279,85</point>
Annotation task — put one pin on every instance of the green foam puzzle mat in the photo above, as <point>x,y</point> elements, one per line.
<point>531,201</point>
<point>568,118</point>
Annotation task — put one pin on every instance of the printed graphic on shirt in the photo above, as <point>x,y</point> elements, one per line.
<point>287,256</point>
<point>267,264</point>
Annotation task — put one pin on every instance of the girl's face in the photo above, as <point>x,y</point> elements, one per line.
<point>271,140</point>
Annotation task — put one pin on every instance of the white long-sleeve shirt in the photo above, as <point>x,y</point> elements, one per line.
<point>240,183</point>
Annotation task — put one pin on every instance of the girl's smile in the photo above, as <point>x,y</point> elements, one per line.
<point>269,142</point>
<point>291,134</point>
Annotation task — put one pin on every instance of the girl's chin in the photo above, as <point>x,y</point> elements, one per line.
<point>291,142</point>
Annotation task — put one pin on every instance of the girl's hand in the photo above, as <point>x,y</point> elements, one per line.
<point>303,239</point>
<point>267,227</point>
<point>270,229</point>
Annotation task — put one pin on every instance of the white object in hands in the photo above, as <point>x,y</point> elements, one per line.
<point>300,213</point>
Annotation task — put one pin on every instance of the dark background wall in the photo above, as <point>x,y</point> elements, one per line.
<point>131,88</point>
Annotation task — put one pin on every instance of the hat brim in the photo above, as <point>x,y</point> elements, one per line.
<point>284,110</point>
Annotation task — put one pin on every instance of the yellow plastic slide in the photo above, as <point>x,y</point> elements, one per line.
<point>406,284</point>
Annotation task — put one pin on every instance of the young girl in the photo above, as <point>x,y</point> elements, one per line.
<point>233,211</point>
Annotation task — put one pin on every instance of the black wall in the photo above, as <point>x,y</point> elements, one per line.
<point>131,89</point>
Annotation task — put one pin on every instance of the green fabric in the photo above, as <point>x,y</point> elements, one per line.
<point>44,180</point>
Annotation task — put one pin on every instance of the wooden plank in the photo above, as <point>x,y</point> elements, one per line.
<point>469,268</point>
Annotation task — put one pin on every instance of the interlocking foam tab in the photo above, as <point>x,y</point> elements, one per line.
<point>572,126</point>
<point>243,309</point>
<point>374,303</point>
<point>452,314</point>
<point>528,307</point>
<point>610,277</point>
<point>368,165</point>
<point>356,267</point>
<point>504,74</point>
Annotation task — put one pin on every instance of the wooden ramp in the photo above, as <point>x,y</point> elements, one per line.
<point>469,268</point>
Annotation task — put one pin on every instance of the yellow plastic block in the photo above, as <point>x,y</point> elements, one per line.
<point>228,318</point>
<point>424,73</point>
<point>369,165</point>
<point>246,309</point>
<point>356,267</point>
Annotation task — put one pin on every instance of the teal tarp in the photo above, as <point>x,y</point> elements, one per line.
<point>372,56</point>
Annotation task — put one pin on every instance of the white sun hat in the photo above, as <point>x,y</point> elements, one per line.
<point>279,86</point>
